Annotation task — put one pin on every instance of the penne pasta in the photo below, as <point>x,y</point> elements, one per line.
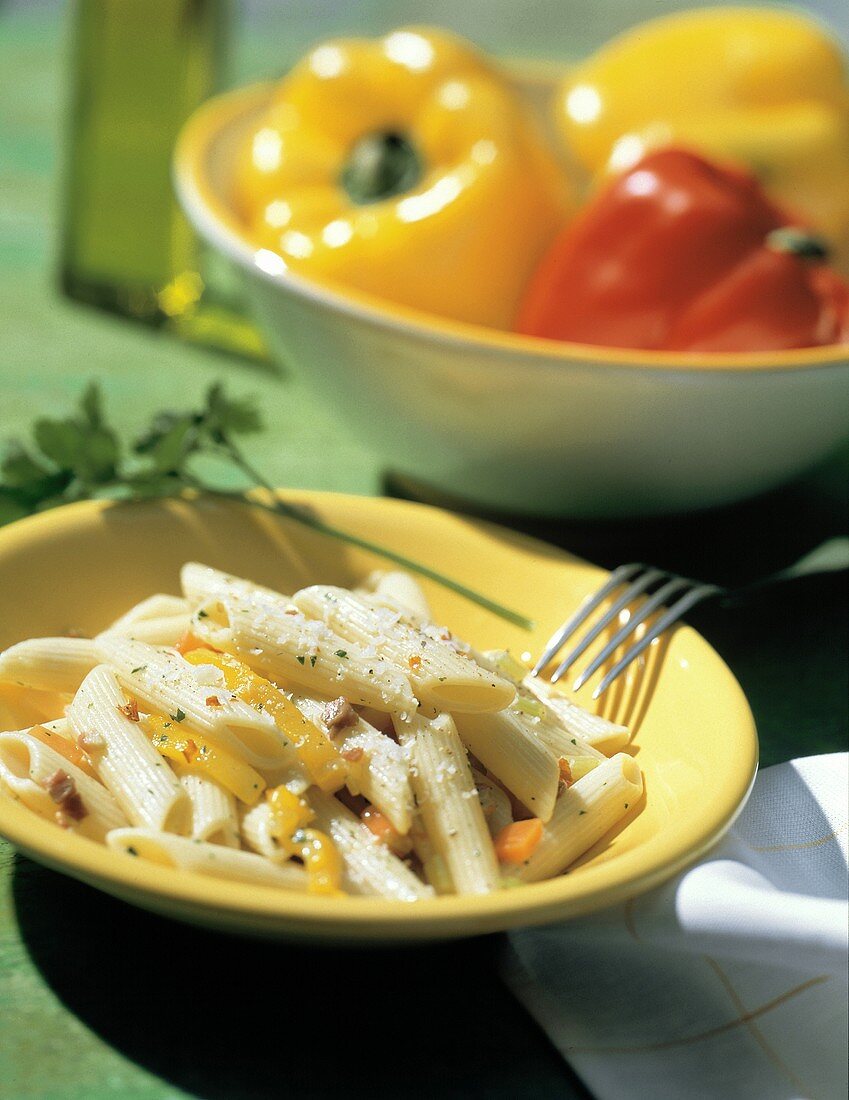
<point>256,831</point>
<point>370,868</point>
<point>158,606</point>
<point>441,676</point>
<point>31,772</point>
<point>515,756</point>
<point>202,584</point>
<point>599,733</point>
<point>213,808</point>
<point>400,591</point>
<point>143,785</point>
<point>448,802</point>
<point>583,814</point>
<point>211,733</point>
<point>168,683</point>
<point>48,664</point>
<point>494,803</point>
<point>201,858</point>
<point>299,652</point>
<point>378,767</point>
<point>165,630</point>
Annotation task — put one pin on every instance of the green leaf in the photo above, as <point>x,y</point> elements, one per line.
<point>11,507</point>
<point>169,451</point>
<point>20,471</point>
<point>62,441</point>
<point>99,457</point>
<point>229,416</point>
<point>91,405</point>
<point>89,452</point>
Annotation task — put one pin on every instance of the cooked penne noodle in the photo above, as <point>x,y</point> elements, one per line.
<point>29,769</point>
<point>168,684</point>
<point>494,803</point>
<point>515,756</point>
<point>165,630</point>
<point>202,584</point>
<point>143,785</point>
<point>256,831</point>
<point>562,719</point>
<point>600,733</point>
<point>158,606</point>
<point>370,868</point>
<point>583,814</point>
<point>441,677</point>
<point>213,809</point>
<point>434,867</point>
<point>380,773</point>
<point>448,802</point>
<point>294,650</point>
<point>401,591</point>
<point>48,664</point>
<point>201,858</point>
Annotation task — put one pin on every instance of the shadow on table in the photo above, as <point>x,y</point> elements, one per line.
<point>730,545</point>
<point>222,1017</point>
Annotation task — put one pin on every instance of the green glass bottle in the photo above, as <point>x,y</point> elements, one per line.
<point>138,70</point>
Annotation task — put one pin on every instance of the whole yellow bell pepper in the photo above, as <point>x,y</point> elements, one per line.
<point>764,89</point>
<point>406,167</point>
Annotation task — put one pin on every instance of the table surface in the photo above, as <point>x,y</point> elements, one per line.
<point>100,1000</point>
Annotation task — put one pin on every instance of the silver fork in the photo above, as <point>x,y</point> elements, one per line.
<point>658,586</point>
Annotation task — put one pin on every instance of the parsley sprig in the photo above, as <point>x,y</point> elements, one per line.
<point>82,457</point>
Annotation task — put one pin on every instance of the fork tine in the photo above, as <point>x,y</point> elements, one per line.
<point>679,608</point>
<point>655,601</point>
<point>635,589</point>
<point>617,577</point>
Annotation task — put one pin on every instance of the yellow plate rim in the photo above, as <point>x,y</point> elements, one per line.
<point>286,912</point>
<point>216,221</point>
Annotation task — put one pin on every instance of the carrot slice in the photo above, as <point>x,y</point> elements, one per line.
<point>385,831</point>
<point>518,841</point>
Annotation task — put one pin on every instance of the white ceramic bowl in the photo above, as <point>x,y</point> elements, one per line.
<point>511,422</point>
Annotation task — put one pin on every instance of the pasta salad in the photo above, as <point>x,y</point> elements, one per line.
<point>335,741</point>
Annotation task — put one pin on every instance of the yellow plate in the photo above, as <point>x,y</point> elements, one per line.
<point>83,565</point>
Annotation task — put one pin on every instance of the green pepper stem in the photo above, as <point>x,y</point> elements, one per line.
<point>798,242</point>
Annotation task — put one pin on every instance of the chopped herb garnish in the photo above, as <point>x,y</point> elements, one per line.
<point>300,659</point>
<point>203,614</point>
<point>313,659</point>
<point>83,457</point>
<point>581,813</point>
<point>140,668</point>
<point>130,850</point>
<point>342,653</point>
<point>178,717</point>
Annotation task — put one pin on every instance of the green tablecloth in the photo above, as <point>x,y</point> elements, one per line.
<point>100,1000</point>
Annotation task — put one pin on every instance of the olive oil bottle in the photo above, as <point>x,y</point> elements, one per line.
<point>138,70</point>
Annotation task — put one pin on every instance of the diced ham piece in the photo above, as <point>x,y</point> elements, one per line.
<point>63,790</point>
<point>338,714</point>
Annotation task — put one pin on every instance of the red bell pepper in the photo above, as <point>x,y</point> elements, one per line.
<point>678,253</point>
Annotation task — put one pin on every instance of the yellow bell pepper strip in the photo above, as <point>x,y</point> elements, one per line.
<point>407,167</point>
<point>763,89</point>
<point>290,817</point>
<point>184,746</point>
<point>325,764</point>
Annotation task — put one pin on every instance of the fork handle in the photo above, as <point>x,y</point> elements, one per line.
<point>831,556</point>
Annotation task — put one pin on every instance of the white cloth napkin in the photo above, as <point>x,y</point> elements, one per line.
<point>730,981</point>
